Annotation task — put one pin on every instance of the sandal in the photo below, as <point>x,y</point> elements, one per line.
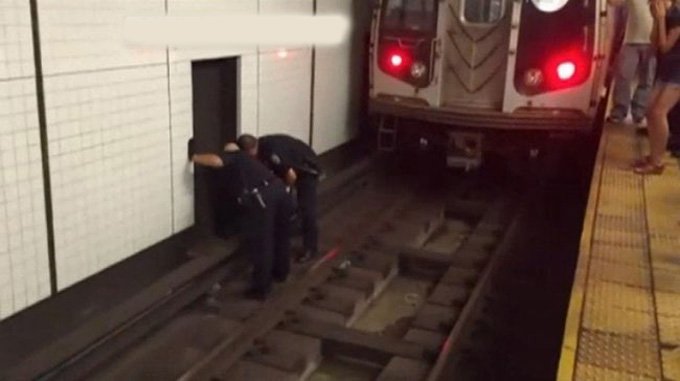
<point>641,161</point>
<point>649,168</point>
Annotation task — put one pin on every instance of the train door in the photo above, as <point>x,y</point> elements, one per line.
<point>215,118</point>
<point>475,36</point>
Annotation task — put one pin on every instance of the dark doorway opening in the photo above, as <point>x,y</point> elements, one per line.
<point>215,117</point>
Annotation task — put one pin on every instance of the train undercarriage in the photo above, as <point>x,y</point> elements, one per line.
<point>467,147</point>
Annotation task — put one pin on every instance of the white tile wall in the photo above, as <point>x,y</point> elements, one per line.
<point>16,46</point>
<point>249,104</point>
<point>213,8</point>
<point>24,269</point>
<point>284,93</point>
<point>109,138</point>
<point>79,35</point>
<point>198,7</point>
<point>182,128</point>
<point>118,121</point>
<point>286,7</point>
<point>331,98</point>
<point>109,158</point>
<point>335,91</point>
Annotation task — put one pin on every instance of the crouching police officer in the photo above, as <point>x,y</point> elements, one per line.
<point>297,163</point>
<point>267,209</point>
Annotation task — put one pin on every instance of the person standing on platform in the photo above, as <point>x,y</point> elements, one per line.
<point>635,59</point>
<point>666,94</point>
<point>296,162</point>
<point>267,209</point>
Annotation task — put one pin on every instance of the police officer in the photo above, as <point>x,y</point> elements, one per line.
<point>297,163</point>
<point>267,209</point>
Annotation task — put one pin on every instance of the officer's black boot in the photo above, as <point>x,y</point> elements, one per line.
<point>307,188</point>
<point>261,282</point>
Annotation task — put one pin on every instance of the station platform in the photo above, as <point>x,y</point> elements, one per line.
<point>623,321</point>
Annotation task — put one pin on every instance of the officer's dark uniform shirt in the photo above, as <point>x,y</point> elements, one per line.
<point>291,152</point>
<point>242,173</point>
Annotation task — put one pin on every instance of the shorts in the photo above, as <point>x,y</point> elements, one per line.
<point>668,73</point>
<point>668,76</point>
<point>662,83</point>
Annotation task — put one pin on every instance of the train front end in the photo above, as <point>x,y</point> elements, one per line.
<point>474,69</point>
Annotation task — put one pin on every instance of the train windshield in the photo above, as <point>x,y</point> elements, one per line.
<point>483,11</point>
<point>410,15</point>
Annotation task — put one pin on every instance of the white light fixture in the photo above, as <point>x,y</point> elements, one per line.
<point>549,6</point>
<point>533,77</point>
<point>235,30</point>
<point>418,70</point>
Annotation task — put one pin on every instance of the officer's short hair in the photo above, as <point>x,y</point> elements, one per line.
<point>247,142</point>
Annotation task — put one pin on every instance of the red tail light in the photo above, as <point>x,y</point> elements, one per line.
<point>566,70</point>
<point>396,60</point>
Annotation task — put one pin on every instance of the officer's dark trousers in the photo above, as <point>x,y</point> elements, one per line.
<point>266,234</point>
<point>306,195</point>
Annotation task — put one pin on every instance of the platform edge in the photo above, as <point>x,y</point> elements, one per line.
<point>567,363</point>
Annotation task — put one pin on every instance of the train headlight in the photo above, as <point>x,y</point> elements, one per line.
<point>549,6</point>
<point>566,70</point>
<point>418,70</point>
<point>533,77</point>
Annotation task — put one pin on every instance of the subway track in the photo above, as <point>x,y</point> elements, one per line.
<point>403,283</point>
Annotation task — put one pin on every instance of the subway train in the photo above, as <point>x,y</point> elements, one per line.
<point>486,75</point>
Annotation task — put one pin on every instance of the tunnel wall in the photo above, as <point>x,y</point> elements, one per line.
<point>24,265</point>
<point>116,122</point>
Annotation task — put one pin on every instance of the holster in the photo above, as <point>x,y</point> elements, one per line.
<point>252,199</point>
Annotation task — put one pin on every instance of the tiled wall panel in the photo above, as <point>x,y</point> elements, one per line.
<point>108,123</point>
<point>285,85</point>
<point>212,8</point>
<point>182,130</point>
<point>285,82</point>
<point>332,95</point>
<point>337,77</point>
<point>118,119</point>
<point>16,46</point>
<point>303,7</point>
<point>249,103</point>
<point>85,35</point>
<point>24,268</point>
<point>109,155</point>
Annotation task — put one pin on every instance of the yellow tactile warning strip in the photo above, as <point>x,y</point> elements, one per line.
<point>662,196</point>
<point>624,313</point>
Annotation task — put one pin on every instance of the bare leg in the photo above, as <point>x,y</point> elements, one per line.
<point>644,160</point>
<point>657,116</point>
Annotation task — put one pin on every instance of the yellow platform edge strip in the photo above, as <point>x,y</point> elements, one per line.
<point>567,365</point>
